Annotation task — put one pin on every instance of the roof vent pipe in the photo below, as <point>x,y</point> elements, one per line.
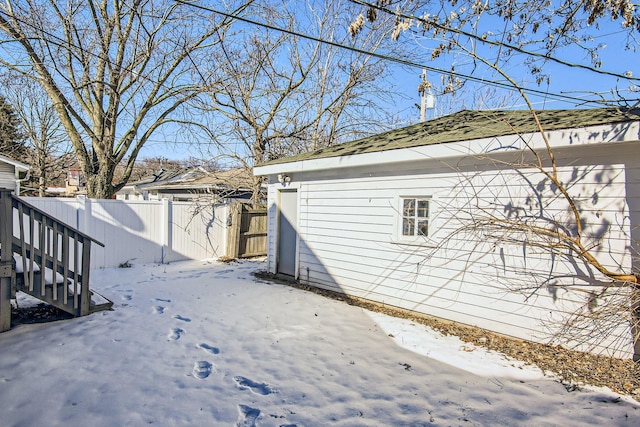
<point>427,99</point>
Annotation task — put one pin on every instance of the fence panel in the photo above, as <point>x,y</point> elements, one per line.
<point>199,229</point>
<point>247,232</point>
<point>64,210</point>
<point>128,230</point>
<point>253,235</point>
<point>142,231</point>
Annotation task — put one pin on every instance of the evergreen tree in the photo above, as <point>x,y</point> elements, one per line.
<point>12,140</point>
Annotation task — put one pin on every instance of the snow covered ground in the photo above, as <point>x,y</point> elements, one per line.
<point>205,344</point>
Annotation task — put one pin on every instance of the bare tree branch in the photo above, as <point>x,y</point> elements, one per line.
<point>115,71</point>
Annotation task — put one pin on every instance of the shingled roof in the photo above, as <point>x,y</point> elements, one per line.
<point>468,125</point>
<point>238,178</point>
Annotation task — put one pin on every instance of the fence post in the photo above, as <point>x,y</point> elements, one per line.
<point>85,295</point>
<point>83,215</point>
<point>6,258</point>
<point>88,215</point>
<point>233,232</point>
<point>166,230</point>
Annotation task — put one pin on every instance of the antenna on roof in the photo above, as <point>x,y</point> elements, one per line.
<point>427,99</point>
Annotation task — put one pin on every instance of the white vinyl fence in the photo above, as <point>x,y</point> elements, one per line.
<point>142,231</point>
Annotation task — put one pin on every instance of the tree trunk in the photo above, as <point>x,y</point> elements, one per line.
<point>259,154</point>
<point>635,321</point>
<point>256,193</point>
<point>41,184</point>
<point>100,183</point>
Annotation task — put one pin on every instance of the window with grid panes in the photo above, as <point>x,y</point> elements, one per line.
<point>415,217</point>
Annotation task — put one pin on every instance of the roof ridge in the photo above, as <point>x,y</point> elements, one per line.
<point>470,124</point>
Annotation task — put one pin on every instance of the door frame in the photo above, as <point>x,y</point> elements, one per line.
<point>289,189</point>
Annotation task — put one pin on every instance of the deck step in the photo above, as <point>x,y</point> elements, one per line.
<point>47,254</point>
<point>98,302</point>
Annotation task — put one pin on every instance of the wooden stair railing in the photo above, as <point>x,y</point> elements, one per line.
<point>53,259</point>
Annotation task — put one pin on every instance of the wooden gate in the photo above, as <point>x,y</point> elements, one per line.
<point>247,231</point>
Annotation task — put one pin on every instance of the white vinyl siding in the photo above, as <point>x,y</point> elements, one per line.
<point>348,227</point>
<point>7,176</point>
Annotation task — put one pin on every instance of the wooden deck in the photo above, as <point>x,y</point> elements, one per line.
<point>45,258</point>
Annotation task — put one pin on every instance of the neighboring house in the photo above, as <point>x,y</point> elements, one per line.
<point>12,173</point>
<point>137,190</point>
<point>74,184</point>
<point>190,184</point>
<point>390,218</point>
<point>57,192</point>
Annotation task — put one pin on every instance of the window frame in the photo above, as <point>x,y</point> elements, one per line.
<point>399,236</point>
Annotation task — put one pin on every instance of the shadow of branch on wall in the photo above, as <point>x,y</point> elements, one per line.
<point>526,237</point>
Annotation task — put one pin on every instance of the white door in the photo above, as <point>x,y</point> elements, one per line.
<point>287,234</point>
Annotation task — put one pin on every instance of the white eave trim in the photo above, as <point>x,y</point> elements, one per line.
<point>14,163</point>
<point>600,134</point>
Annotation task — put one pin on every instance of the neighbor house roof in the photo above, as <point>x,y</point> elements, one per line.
<point>233,179</point>
<point>469,125</point>
<point>160,176</point>
<point>14,163</point>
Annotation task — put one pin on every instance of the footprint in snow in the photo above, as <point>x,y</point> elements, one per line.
<point>248,416</point>
<point>208,348</point>
<point>202,369</point>
<point>163,300</point>
<point>175,334</point>
<point>158,309</point>
<point>184,319</point>
<point>126,297</point>
<point>257,388</point>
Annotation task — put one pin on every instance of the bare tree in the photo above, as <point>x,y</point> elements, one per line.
<point>549,228</point>
<point>552,219</point>
<point>115,71</point>
<point>279,93</point>
<point>49,149</point>
<point>524,35</point>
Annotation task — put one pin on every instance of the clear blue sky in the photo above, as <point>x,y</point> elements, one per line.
<point>564,80</point>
